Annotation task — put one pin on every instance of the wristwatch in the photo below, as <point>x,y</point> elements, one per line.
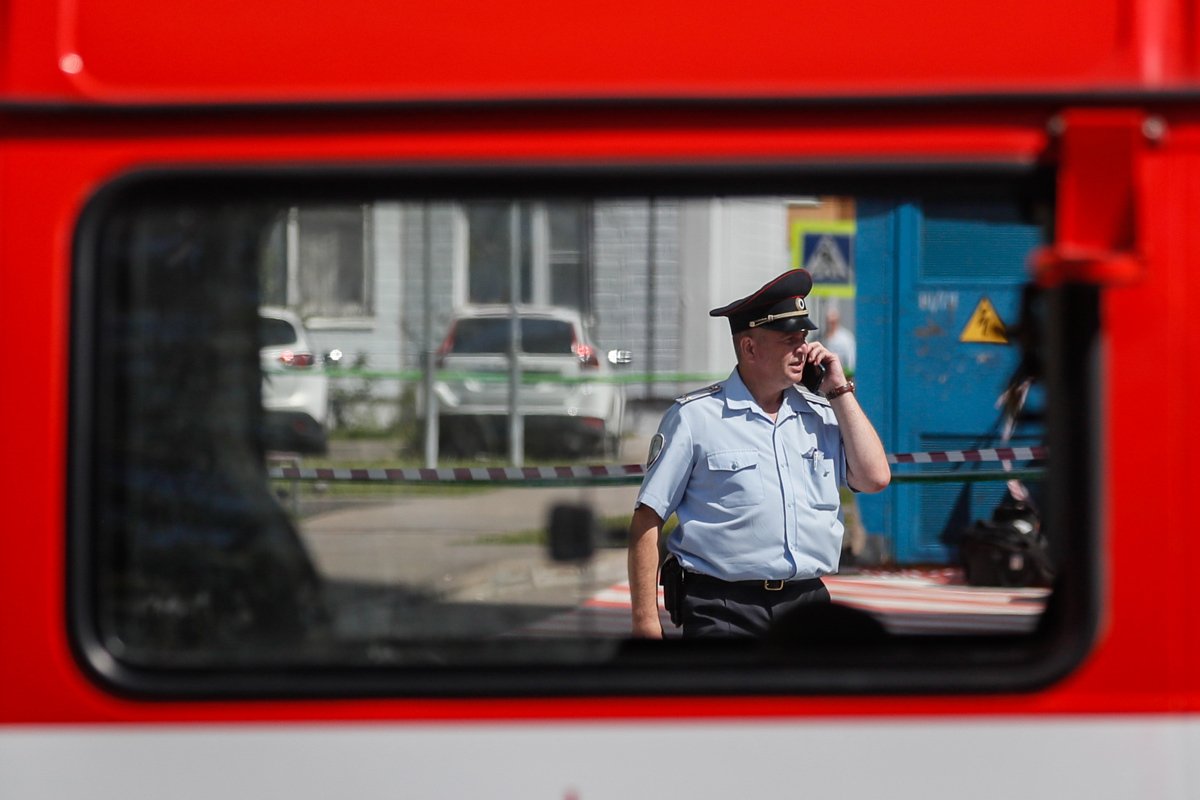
<point>845,388</point>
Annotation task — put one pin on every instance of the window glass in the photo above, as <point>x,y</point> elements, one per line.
<point>493,335</point>
<point>499,240</point>
<point>319,261</point>
<point>459,525</point>
<point>568,260</point>
<point>275,332</point>
<point>547,245</point>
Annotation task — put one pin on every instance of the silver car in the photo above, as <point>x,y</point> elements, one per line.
<point>295,386</point>
<point>567,396</point>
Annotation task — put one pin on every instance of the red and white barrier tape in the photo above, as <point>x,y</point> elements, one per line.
<point>459,474</point>
<point>964,456</point>
<point>583,472</point>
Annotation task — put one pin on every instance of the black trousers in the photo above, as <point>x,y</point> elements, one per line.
<point>712,607</point>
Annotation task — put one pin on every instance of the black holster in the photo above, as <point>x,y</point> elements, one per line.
<point>671,578</point>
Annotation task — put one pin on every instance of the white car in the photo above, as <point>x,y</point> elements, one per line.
<point>568,397</point>
<point>295,387</point>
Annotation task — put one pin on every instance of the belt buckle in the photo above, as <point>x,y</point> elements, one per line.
<point>773,585</point>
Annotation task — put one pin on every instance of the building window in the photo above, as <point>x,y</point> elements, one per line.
<point>550,246</point>
<point>568,257</point>
<point>318,260</point>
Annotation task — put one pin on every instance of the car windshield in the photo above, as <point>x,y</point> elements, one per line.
<point>492,335</point>
<point>273,332</point>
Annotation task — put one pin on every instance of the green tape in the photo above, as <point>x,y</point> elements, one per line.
<point>526,378</point>
<point>531,379</point>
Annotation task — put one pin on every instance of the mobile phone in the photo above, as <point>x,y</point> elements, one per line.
<point>812,377</point>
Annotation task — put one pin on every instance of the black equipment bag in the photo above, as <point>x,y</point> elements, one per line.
<point>1008,550</point>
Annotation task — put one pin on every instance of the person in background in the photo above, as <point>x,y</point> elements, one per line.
<point>838,339</point>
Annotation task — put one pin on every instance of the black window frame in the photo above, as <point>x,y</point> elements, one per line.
<point>900,665</point>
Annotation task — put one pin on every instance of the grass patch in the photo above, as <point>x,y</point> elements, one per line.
<point>617,523</point>
<point>379,490</point>
<point>613,532</point>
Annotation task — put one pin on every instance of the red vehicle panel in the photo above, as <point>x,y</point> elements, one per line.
<point>1104,94</point>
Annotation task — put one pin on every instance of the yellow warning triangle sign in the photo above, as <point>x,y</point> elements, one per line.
<point>985,325</point>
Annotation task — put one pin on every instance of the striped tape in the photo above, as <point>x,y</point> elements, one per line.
<point>972,456</point>
<point>459,474</point>
<point>592,472</point>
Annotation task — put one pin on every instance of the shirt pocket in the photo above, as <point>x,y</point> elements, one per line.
<point>820,483</point>
<point>735,479</point>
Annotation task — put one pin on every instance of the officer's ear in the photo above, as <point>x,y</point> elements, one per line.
<point>745,345</point>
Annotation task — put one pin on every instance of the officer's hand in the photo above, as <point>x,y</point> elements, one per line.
<point>835,376</point>
<point>650,629</point>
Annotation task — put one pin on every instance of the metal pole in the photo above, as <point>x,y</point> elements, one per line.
<point>516,423</point>
<point>651,304</point>
<point>432,421</point>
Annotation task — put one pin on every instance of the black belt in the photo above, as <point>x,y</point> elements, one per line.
<point>769,585</point>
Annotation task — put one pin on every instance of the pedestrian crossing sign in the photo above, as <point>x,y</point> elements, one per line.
<point>826,249</point>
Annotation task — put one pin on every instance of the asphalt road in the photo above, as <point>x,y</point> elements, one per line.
<point>400,567</point>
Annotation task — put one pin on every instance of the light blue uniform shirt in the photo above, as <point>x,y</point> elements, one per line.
<point>756,498</point>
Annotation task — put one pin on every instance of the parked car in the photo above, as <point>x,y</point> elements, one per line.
<point>567,396</point>
<point>295,386</point>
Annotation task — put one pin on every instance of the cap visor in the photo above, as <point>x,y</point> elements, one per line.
<point>790,325</point>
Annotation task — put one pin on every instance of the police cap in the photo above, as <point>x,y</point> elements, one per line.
<point>779,305</point>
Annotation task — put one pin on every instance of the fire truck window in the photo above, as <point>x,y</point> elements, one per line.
<point>319,439</point>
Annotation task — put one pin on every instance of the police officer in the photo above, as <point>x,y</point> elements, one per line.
<point>751,467</point>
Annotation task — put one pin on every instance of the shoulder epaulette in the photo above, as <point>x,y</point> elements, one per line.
<point>813,399</point>
<point>705,392</point>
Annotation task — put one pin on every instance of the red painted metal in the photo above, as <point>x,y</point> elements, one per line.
<point>1097,222</point>
<point>126,51</point>
<point>1122,196</point>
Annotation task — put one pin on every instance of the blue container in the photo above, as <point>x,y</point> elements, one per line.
<point>939,283</point>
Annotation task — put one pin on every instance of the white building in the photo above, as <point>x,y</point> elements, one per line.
<point>644,274</point>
